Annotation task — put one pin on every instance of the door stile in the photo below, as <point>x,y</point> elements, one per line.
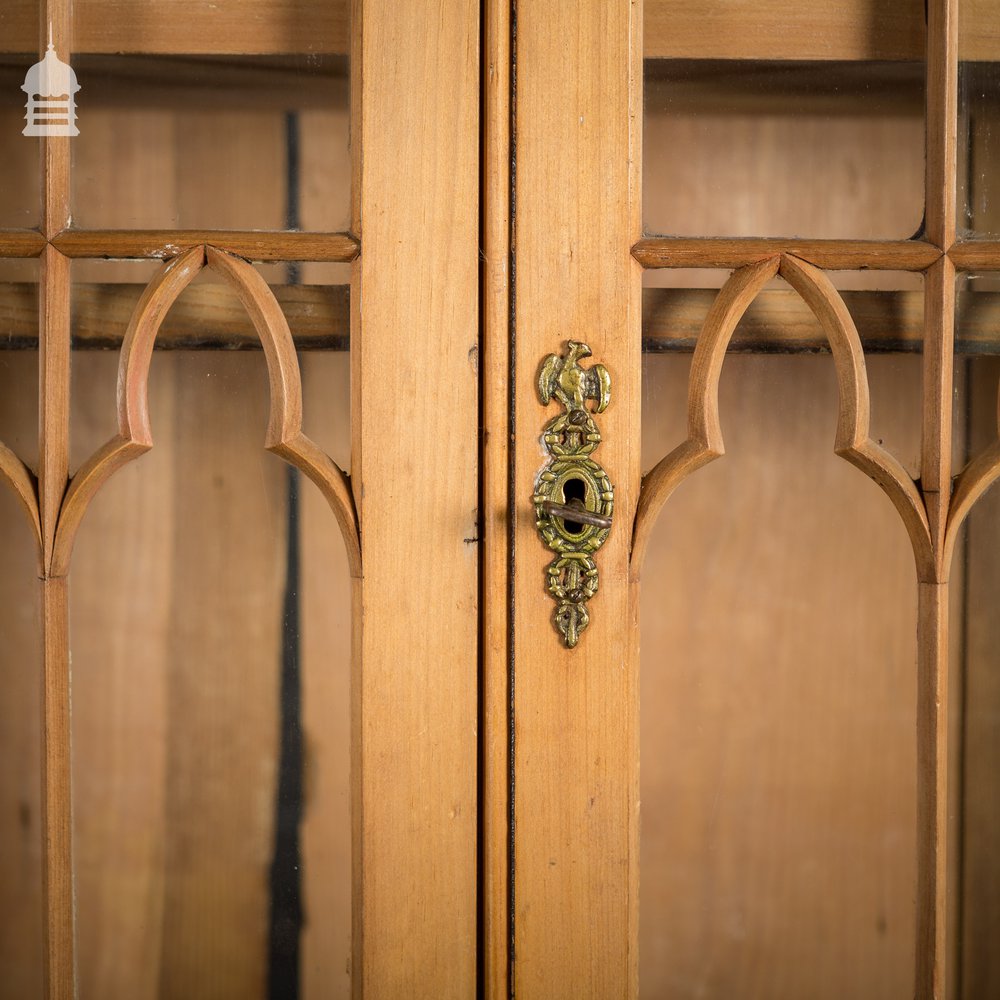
<point>494,362</point>
<point>577,153</point>
<point>415,409</point>
<point>53,474</point>
<point>933,947</point>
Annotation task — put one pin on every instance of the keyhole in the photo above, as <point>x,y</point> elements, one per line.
<point>574,489</point>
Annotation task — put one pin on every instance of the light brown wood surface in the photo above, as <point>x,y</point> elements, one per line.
<point>853,441</point>
<point>175,727</point>
<point>326,697</point>
<point>777,708</point>
<point>495,521</point>
<point>658,251</point>
<point>414,467</point>
<point>319,318</point>
<point>575,754</point>
<point>164,244</point>
<point>980,883</point>
<point>21,945</point>
<point>847,29</point>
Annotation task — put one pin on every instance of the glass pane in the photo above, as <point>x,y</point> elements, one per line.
<point>20,648</point>
<point>19,173</point>
<point>234,118</point>
<point>778,691</point>
<point>211,650</point>
<point>976,579</point>
<point>978,133</point>
<point>808,124</point>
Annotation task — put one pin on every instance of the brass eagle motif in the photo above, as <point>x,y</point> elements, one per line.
<point>564,379</point>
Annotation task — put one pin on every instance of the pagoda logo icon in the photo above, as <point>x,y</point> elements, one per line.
<point>51,88</point>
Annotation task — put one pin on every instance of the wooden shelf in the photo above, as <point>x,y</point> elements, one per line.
<point>779,322</point>
<point>700,29</point>
<point>208,317</point>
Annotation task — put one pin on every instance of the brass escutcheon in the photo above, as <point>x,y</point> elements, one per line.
<point>573,496</point>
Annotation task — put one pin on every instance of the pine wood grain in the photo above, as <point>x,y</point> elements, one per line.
<point>134,434</point>
<point>980,885</point>
<point>53,475</point>
<point>847,29</point>
<point>575,711</point>
<point>21,949</point>
<point>758,142</point>
<point>56,811</point>
<point>932,798</point>
<point>325,644</point>
<point>495,521</point>
<point>778,651</point>
<point>414,473</point>
<point>164,244</point>
<point>21,243</point>
<point>704,443</point>
<point>230,26</point>
<point>176,712</point>
<point>207,317</point>
<point>975,255</point>
<point>900,255</point>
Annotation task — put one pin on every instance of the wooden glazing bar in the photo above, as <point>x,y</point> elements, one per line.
<point>942,120</point>
<point>831,255</point>
<point>494,516</point>
<point>932,801</point>
<point>933,659</point>
<point>938,379</point>
<point>59,920</point>
<point>54,369</point>
<point>975,255</point>
<point>57,814</point>
<point>56,21</point>
<point>21,243</point>
<point>164,243</point>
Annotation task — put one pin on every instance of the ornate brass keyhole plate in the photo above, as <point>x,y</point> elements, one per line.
<point>573,496</point>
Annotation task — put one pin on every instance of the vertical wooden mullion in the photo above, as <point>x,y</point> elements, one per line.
<point>942,121</point>
<point>494,520</point>
<point>415,458</point>
<point>938,369</point>
<point>54,376</point>
<point>577,135</point>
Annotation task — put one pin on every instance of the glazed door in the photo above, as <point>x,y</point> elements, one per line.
<point>239,410</point>
<point>759,230</point>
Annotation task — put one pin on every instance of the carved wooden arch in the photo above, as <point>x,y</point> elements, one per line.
<point>853,442</point>
<point>284,430</point>
<point>20,479</point>
<point>973,481</point>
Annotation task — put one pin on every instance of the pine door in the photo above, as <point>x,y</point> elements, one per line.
<point>429,563</point>
<point>239,387</point>
<point>746,725</point>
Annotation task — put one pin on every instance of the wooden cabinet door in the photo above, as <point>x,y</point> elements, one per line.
<point>212,143</point>
<point>826,713</point>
